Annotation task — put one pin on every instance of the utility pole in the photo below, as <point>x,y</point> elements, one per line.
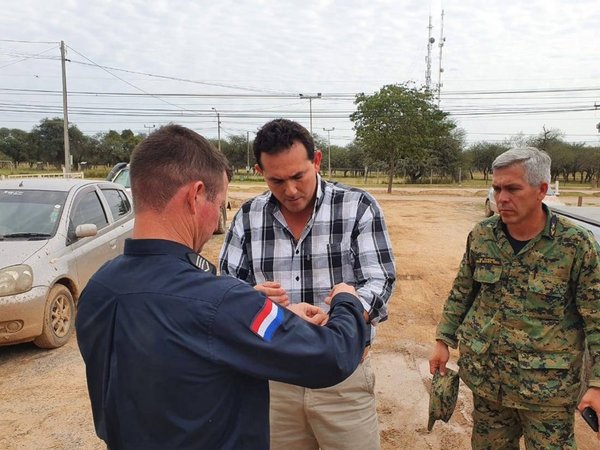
<point>218,127</point>
<point>65,114</point>
<point>310,99</point>
<point>248,152</point>
<point>329,149</point>
<point>149,127</point>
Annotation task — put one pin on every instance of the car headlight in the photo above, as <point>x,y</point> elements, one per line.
<point>15,279</point>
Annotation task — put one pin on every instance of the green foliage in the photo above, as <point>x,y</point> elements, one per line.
<point>401,126</point>
<point>113,147</point>
<point>235,148</point>
<point>481,156</point>
<point>399,131</point>
<point>15,144</point>
<point>99,172</point>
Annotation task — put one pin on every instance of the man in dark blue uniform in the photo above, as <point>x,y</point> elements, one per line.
<point>177,357</point>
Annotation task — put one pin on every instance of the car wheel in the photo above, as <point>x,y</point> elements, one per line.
<point>488,210</point>
<point>59,318</point>
<point>222,221</point>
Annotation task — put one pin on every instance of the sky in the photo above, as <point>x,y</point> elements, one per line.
<point>510,67</point>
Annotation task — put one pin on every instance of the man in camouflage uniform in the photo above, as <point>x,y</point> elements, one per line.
<point>526,297</point>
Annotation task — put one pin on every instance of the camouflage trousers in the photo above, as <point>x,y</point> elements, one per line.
<point>496,427</point>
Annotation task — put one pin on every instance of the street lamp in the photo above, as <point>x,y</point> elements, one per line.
<point>310,99</point>
<point>149,127</point>
<point>329,148</point>
<point>218,126</point>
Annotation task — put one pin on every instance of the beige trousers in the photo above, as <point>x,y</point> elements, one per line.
<point>341,417</point>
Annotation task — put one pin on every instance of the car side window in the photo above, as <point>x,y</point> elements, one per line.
<point>89,210</point>
<point>118,202</point>
<point>122,178</point>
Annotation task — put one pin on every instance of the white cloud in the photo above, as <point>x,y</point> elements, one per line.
<point>311,46</point>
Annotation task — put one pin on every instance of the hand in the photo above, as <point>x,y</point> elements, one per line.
<point>310,313</point>
<point>439,358</point>
<point>274,291</point>
<point>591,398</point>
<point>338,288</point>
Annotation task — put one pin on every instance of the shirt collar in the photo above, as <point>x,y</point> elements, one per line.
<point>551,221</point>
<point>549,228</point>
<point>142,247</point>
<point>321,185</point>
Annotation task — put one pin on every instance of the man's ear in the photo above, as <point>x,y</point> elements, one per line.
<point>317,157</point>
<point>543,189</point>
<point>258,169</point>
<point>196,191</point>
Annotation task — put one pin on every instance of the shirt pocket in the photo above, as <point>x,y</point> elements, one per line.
<point>488,276</point>
<point>548,379</point>
<point>546,297</point>
<point>471,364</point>
<point>487,273</point>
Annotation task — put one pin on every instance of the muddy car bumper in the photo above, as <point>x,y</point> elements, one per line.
<point>22,315</point>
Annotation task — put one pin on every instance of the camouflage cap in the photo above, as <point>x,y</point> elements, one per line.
<point>442,400</point>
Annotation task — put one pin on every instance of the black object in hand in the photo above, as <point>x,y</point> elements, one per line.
<point>590,416</point>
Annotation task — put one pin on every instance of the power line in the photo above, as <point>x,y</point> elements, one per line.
<point>26,58</point>
<point>124,81</point>
<point>29,42</point>
<point>165,77</point>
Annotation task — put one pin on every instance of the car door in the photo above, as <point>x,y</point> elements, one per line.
<point>118,204</point>
<point>89,253</point>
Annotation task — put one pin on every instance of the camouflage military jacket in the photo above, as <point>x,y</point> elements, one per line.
<point>521,320</point>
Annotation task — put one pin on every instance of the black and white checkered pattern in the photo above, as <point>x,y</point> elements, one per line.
<point>345,240</point>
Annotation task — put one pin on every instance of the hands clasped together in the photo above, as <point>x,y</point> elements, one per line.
<point>308,312</point>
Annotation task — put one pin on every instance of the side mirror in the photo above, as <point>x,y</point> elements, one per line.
<point>86,230</point>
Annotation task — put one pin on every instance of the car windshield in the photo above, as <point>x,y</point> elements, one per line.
<point>30,214</point>
<point>123,178</point>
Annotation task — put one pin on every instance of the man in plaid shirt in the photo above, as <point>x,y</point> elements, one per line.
<point>294,243</point>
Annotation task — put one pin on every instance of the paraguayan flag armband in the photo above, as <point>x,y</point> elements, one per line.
<point>268,320</point>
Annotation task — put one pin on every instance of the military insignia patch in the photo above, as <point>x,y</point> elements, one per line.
<point>487,260</point>
<point>201,263</point>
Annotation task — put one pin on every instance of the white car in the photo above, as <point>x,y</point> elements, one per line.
<point>491,208</point>
<point>54,234</point>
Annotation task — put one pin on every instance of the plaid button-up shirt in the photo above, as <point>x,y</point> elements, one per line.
<point>345,240</point>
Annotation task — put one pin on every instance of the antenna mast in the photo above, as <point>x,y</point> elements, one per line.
<point>430,42</point>
<point>441,45</point>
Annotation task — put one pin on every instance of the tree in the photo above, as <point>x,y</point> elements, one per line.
<point>235,149</point>
<point>447,152</point>
<point>546,139</point>
<point>81,147</point>
<point>400,123</point>
<point>15,144</point>
<point>483,154</point>
<point>114,147</point>
<point>48,141</point>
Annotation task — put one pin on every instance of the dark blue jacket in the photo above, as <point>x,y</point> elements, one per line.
<point>176,359</point>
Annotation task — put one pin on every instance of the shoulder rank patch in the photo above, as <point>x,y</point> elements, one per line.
<point>489,261</point>
<point>201,263</point>
<point>553,222</point>
<point>267,321</point>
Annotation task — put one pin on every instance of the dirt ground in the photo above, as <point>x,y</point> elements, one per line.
<point>43,396</point>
